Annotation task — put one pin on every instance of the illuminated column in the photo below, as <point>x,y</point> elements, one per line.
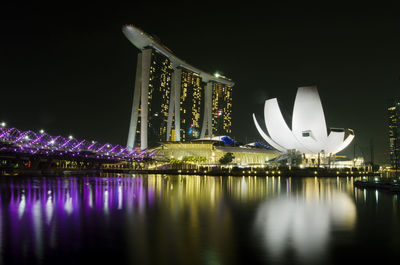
<point>135,106</point>
<point>207,119</point>
<point>209,115</point>
<point>174,106</point>
<point>171,109</point>
<point>176,85</point>
<point>146,59</point>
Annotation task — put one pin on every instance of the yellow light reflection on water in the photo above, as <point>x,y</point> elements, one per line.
<point>291,213</point>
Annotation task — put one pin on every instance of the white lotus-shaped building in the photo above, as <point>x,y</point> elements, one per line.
<point>309,133</point>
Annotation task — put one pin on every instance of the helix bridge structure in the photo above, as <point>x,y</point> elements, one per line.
<point>40,144</point>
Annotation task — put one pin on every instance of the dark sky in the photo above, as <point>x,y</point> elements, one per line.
<point>67,68</point>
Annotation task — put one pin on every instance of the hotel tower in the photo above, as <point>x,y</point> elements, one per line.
<point>172,100</point>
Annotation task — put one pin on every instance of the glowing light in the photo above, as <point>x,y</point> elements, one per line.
<point>3,124</point>
<point>49,208</point>
<point>21,206</point>
<point>68,204</point>
<point>217,75</point>
<point>44,144</point>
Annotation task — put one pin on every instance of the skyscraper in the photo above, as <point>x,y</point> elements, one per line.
<point>221,108</point>
<point>191,101</point>
<point>159,95</point>
<point>394,134</point>
<point>153,91</point>
<point>174,101</point>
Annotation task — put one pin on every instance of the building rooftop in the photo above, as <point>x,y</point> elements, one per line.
<point>143,40</point>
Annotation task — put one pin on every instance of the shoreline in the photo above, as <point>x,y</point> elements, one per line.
<point>309,172</point>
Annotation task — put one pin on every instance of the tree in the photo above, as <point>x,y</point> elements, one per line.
<point>226,159</point>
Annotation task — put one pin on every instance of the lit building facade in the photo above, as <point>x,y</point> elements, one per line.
<point>213,151</point>
<point>174,101</point>
<point>158,96</point>
<point>191,104</point>
<point>394,134</point>
<point>221,109</point>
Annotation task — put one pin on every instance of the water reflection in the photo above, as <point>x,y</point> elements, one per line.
<point>43,214</point>
<point>303,222</point>
<point>160,219</point>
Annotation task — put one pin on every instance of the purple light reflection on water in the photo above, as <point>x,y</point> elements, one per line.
<point>45,213</point>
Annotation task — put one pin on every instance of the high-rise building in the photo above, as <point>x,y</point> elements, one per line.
<point>221,109</point>
<point>151,97</point>
<point>158,96</point>
<point>191,103</point>
<point>394,134</point>
<point>174,101</point>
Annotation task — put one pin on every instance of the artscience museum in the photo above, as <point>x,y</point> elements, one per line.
<point>308,134</point>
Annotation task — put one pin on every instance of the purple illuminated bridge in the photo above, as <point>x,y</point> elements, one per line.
<point>32,143</point>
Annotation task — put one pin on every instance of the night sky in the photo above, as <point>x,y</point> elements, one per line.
<point>68,68</point>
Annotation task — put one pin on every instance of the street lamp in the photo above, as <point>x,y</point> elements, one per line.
<point>3,124</point>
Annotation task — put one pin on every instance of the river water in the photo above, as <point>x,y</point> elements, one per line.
<point>164,219</point>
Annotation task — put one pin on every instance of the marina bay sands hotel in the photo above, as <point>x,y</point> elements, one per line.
<point>174,101</point>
